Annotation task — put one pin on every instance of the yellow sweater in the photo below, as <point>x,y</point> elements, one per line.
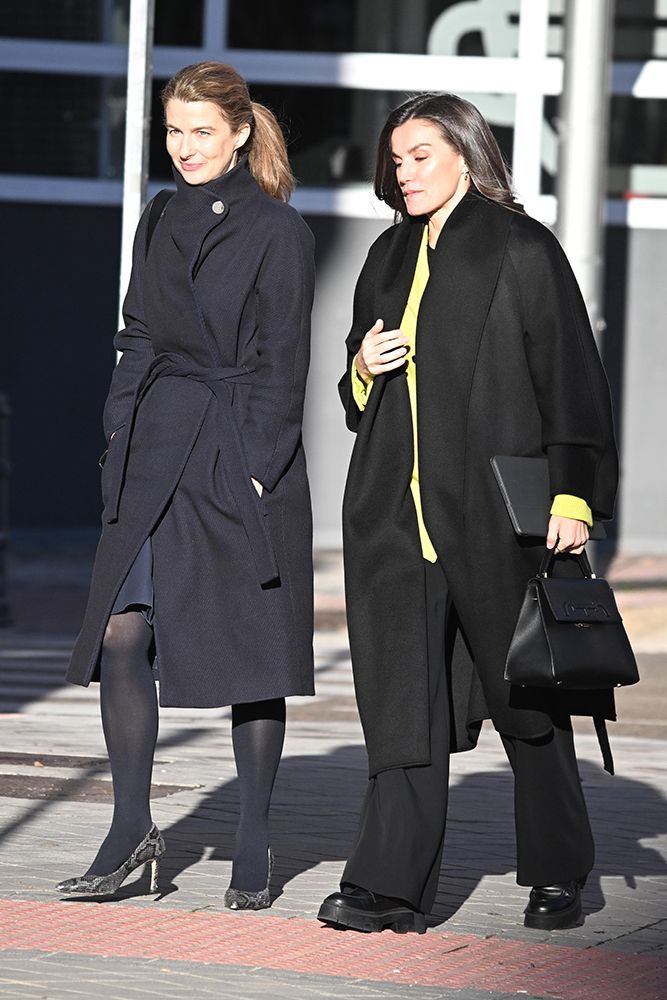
<point>563,505</point>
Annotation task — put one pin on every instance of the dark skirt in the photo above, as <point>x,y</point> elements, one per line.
<point>137,588</point>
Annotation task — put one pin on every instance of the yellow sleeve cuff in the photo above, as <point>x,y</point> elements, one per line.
<point>360,390</point>
<point>565,505</point>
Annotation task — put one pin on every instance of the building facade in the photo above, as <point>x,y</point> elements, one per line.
<point>331,70</point>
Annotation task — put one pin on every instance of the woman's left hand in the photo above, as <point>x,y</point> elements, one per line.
<point>570,534</point>
<point>258,486</point>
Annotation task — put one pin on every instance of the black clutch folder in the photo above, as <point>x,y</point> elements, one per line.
<point>524,485</point>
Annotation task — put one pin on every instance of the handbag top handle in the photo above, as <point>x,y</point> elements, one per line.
<point>550,555</point>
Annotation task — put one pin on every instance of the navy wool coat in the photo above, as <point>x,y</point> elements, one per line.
<point>209,391</point>
<point>506,365</point>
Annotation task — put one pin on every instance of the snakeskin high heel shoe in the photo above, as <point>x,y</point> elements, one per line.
<point>149,851</point>
<point>238,899</point>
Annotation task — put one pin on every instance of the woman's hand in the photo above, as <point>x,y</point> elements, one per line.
<point>258,486</point>
<point>381,351</point>
<point>570,534</point>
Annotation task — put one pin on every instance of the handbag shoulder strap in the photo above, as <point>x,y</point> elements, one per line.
<point>158,205</point>
<point>603,739</point>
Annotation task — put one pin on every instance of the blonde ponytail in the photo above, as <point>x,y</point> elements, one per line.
<point>267,156</point>
<point>223,86</point>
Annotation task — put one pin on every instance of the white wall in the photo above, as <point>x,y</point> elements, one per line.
<point>643,506</point>
<point>342,247</point>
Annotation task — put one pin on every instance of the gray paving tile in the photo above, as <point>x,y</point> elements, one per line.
<point>314,815</point>
<point>26,974</point>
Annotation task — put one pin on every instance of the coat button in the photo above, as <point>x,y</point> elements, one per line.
<point>217,207</point>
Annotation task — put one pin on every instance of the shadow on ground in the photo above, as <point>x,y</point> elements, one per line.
<point>315,810</point>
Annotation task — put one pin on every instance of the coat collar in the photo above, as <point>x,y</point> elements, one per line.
<point>466,255</point>
<point>463,229</point>
<point>199,209</point>
<point>196,220</point>
<point>452,317</point>
<point>398,270</point>
<point>223,192</point>
<point>466,263</point>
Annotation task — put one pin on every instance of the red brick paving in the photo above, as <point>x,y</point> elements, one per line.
<point>299,945</point>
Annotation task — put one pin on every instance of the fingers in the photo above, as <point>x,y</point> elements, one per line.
<point>381,369</point>
<point>573,539</point>
<point>566,534</point>
<point>580,539</point>
<point>382,350</point>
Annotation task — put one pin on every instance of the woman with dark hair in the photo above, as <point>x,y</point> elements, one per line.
<point>470,339</point>
<point>205,563</point>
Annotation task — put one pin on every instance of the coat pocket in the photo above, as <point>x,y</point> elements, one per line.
<point>106,462</point>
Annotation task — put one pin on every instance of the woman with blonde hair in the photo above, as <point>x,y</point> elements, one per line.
<point>204,565</point>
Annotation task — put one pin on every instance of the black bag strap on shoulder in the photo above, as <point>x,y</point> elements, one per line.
<point>158,205</point>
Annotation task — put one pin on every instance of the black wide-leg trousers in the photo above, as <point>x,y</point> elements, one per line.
<point>402,826</point>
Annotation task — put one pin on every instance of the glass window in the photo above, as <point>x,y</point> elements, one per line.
<point>293,25</point>
<point>550,145</point>
<point>637,127</point>
<point>331,132</point>
<point>637,147</point>
<point>159,162</point>
<point>327,130</point>
<point>358,25</point>
<point>640,30</point>
<point>60,125</point>
<point>637,157</point>
<point>176,23</point>
<point>445,27</point>
<point>67,20</point>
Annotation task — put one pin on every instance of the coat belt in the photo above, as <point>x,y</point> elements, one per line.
<point>220,381</point>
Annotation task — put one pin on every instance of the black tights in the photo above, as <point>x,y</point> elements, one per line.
<point>128,703</point>
<point>130,721</point>
<point>258,732</point>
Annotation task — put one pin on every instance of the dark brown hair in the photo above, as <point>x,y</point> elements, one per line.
<point>466,130</point>
<point>223,86</point>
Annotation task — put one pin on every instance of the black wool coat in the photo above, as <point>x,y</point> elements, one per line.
<point>209,391</point>
<point>506,365</point>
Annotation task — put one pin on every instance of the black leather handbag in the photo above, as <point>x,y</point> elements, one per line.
<point>570,635</point>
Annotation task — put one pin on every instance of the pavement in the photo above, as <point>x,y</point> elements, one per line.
<point>55,805</point>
